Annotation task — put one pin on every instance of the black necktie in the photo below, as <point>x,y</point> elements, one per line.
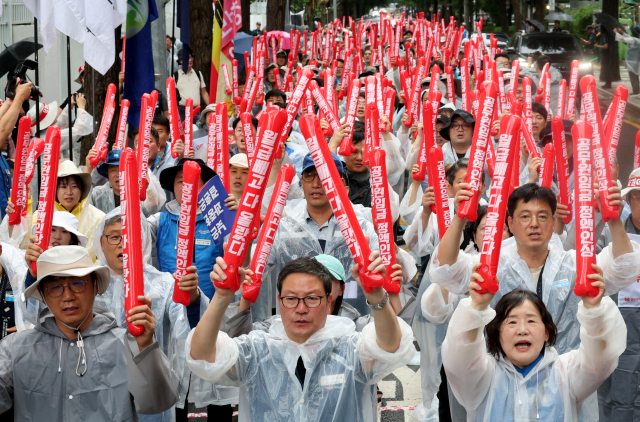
<point>300,371</point>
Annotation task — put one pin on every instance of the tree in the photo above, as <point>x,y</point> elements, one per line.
<point>517,16</point>
<point>275,15</point>
<point>540,10</point>
<point>504,20</point>
<point>101,84</point>
<point>201,37</point>
<point>610,57</point>
<point>245,5</point>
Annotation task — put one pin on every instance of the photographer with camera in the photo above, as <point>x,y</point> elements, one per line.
<point>10,112</point>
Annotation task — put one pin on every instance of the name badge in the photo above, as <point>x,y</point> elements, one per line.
<point>203,242</point>
<point>332,380</point>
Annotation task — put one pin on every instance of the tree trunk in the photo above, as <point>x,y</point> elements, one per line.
<point>504,19</point>
<point>468,15</point>
<point>540,10</point>
<point>201,36</point>
<point>517,15</point>
<point>101,84</point>
<point>245,6</point>
<point>275,15</point>
<point>611,57</point>
<point>461,12</point>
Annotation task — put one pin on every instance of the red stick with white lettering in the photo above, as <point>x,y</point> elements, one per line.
<point>440,190</point>
<point>142,151</point>
<point>582,134</point>
<point>175,126</point>
<point>227,82</point>
<point>48,184</point>
<point>381,210</point>
<point>132,265</point>
<point>612,136</point>
<point>562,97</point>
<point>469,208</point>
<point>236,91</point>
<point>268,233</point>
<point>562,167</point>
<point>248,135</point>
<point>324,106</point>
<point>186,228</point>
<point>19,187</point>
<point>339,201</point>
<point>107,117</point>
<point>573,88</point>
<point>636,152</point>
<point>222,145</point>
<point>346,147</point>
<point>500,185</point>
<point>122,124</point>
<point>249,207</point>
<point>591,108</point>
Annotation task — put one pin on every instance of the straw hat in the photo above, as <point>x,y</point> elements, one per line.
<point>67,168</point>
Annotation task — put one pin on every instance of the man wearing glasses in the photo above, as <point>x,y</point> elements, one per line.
<point>78,363</point>
<point>536,260</point>
<point>309,228</point>
<point>310,366</point>
<point>459,132</point>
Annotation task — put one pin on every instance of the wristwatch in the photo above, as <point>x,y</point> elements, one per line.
<point>380,305</point>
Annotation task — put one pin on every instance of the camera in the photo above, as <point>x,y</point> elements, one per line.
<point>18,77</point>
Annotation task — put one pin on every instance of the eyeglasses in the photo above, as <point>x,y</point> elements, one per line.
<point>633,197</point>
<point>113,240</point>
<point>76,286</point>
<point>309,177</point>
<point>238,130</point>
<point>543,219</point>
<point>291,302</point>
<point>464,126</point>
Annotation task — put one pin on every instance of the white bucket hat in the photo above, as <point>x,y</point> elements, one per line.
<point>632,184</point>
<point>48,115</point>
<point>239,160</point>
<point>67,261</point>
<point>67,221</point>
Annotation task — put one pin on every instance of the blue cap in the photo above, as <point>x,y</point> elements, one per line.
<point>113,159</point>
<point>307,162</point>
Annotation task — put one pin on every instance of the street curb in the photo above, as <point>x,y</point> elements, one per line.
<point>602,93</point>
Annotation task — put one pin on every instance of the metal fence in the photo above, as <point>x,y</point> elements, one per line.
<point>14,12</point>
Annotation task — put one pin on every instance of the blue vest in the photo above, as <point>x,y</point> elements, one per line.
<point>5,189</point>
<point>205,252</point>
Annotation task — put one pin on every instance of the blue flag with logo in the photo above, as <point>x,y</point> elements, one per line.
<point>219,218</point>
<point>139,70</point>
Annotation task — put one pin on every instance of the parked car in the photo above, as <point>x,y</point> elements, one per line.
<point>562,49</point>
<point>503,39</point>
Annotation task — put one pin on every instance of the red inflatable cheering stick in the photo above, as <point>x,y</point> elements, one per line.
<point>48,183</point>
<point>562,167</point>
<point>469,208</point>
<point>19,186</point>
<point>573,89</point>
<point>339,200</point>
<point>293,106</point>
<point>133,270</point>
<point>268,233</point>
<point>107,117</point>
<point>440,190</point>
<point>122,123</point>
<point>35,150</point>
<point>248,135</point>
<point>175,127</point>
<point>346,147</point>
<point>546,170</point>
<point>591,112</point>
<point>146,118</point>
<point>186,228</point>
<point>492,239</point>
<point>381,209</point>
<point>582,134</point>
<point>240,239</point>
<point>222,145</point>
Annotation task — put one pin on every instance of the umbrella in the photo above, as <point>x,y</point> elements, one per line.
<point>241,42</point>
<point>286,41</point>
<point>559,17</point>
<point>536,24</point>
<point>609,22</point>
<point>15,54</point>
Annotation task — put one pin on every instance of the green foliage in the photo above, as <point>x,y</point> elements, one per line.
<point>622,51</point>
<point>581,18</point>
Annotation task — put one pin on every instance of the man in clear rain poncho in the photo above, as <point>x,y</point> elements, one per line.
<point>77,363</point>
<point>310,366</point>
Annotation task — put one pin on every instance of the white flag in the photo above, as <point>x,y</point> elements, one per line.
<point>90,22</point>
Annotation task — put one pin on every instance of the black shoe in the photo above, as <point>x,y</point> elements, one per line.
<point>606,86</point>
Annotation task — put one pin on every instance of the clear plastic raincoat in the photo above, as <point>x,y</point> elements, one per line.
<point>38,374</point>
<point>558,278</point>
<point>492,390</point>
<point>296,238</point>
<point>342,369</point>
